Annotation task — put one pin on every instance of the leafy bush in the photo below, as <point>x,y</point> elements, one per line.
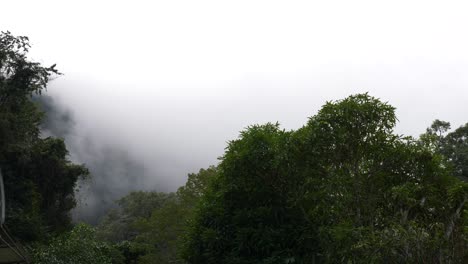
<point>79,246</point>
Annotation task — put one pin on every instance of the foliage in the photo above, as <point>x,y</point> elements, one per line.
<point>196,186</point>
<point>118,224</point>
<point>344,188</point>
<point>39,179</point>
<point>245,217</point>
<point>79,246</point>
<point>147,226</point>
<point>454,146</point>
<point>365,181</point>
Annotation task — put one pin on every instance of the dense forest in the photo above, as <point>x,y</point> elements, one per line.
<point>344,188</point>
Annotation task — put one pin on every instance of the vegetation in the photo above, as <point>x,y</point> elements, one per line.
<point>77,246</point>
<point>344,188</point>
<point>39,179</point>
<point>149,226</point>
<point>453,146</point>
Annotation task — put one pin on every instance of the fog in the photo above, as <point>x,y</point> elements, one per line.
<point>114,172</point>
<point>154,90</point>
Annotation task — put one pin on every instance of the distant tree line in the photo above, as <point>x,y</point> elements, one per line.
<point>344,188</point>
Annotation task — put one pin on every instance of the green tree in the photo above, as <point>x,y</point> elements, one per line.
<point>162,233</point>
<point>374,196</point>
<point>196,186</point>
<point>452,145</point>
<point>455,148</point>
<point>435,134</point>
<point>344,188</point>
<point>78,246</point>
<point>149,226</point>
<point>119,224</point>
<point>19,79</point>
<point>246,216</point>
<point>39,179</point>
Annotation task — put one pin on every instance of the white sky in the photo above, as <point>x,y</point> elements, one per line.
<point>172,81</point>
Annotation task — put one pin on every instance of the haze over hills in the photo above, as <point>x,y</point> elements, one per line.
<point>243,132</point>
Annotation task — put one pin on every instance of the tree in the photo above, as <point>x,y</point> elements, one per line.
<point>245,215</point>
<point>343,188</point>
<point>19,79</point>
<point>162,233</point>
<point>196,186</point>
<point>39,179</point>
<point>455,147</point>
<point>119,224</point>
<point>374,196</point>
<point>435,134</point>
<point>149,226</point>
<point>78,246</point>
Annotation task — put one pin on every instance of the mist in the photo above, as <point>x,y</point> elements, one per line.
<point>114,172</point>
<point>156,89</point>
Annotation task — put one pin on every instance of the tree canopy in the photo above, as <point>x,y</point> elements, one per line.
<point>149,227</point>
<point>39,178</point>
<point>343,188</point>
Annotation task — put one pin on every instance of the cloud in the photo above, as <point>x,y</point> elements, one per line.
<point>171,83</point>
<point>114,172</point>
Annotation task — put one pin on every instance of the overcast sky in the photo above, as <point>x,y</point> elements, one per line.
<point>171,81</point>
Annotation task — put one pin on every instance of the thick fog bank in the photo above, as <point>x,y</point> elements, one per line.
<point>114,172</point>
